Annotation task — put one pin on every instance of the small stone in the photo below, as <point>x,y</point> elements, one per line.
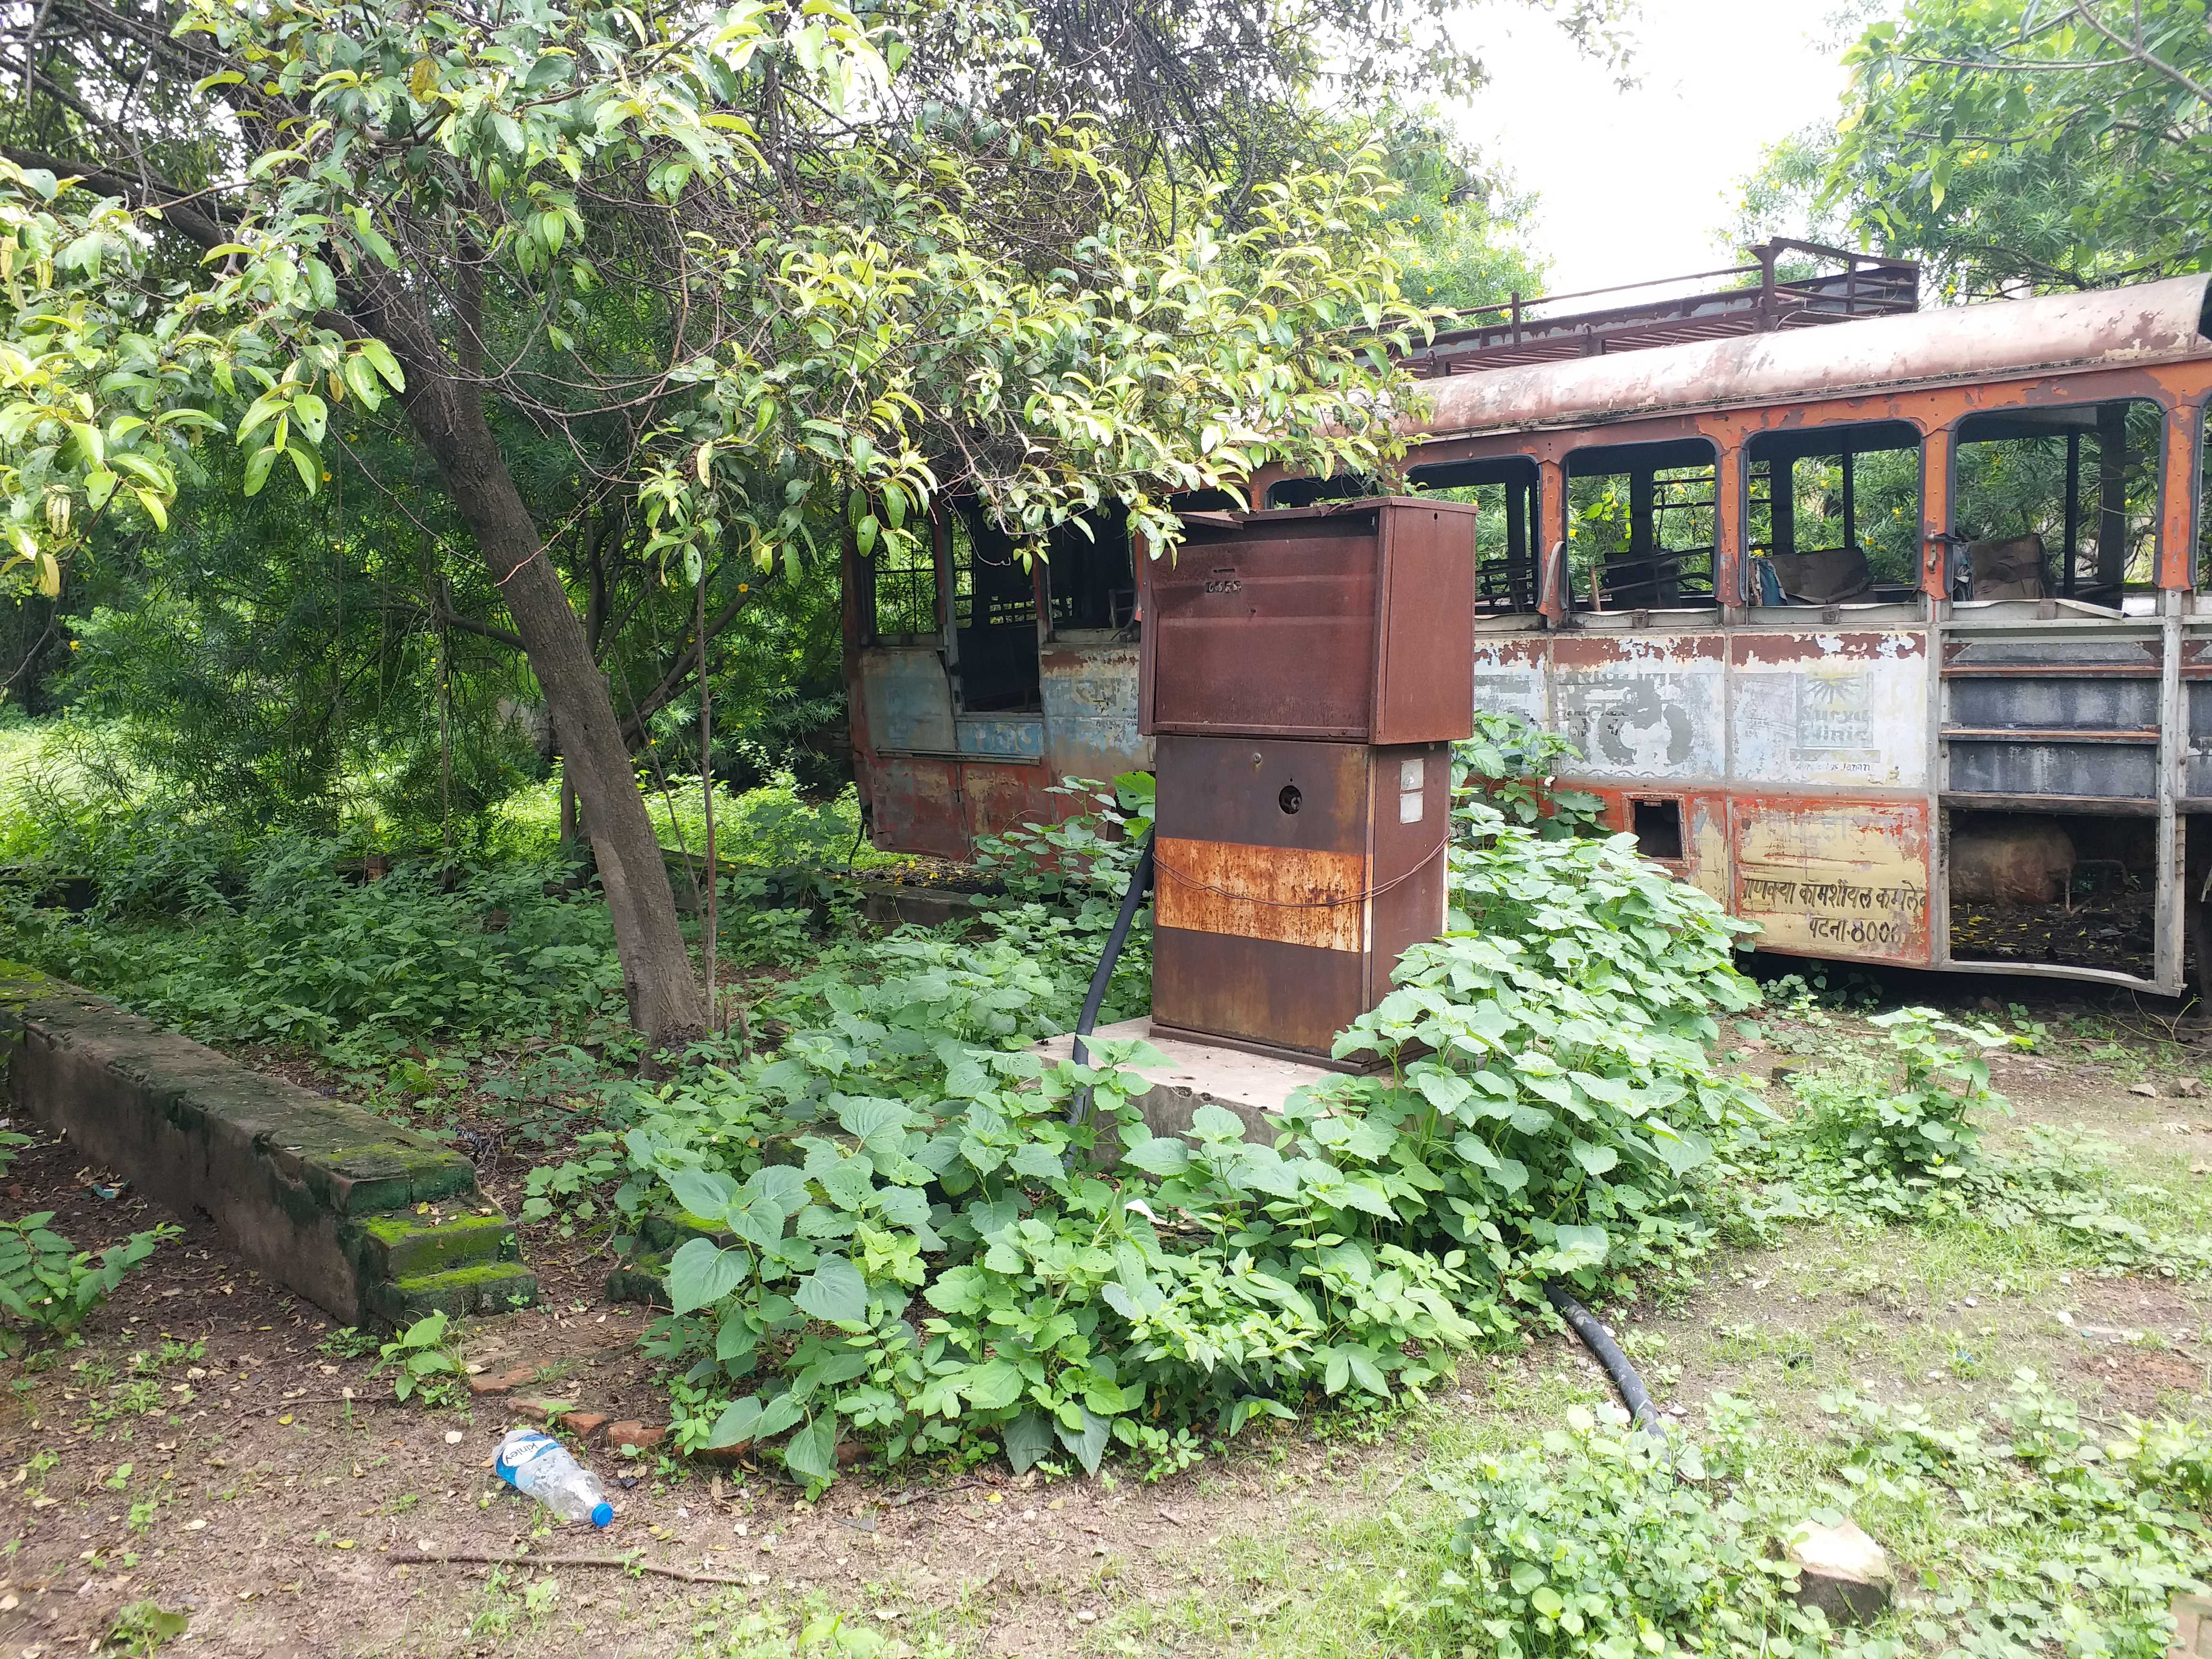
<point>2149,1091</point>
<point>583,1425</point>
<point>1842,1571</point>
<point>453,1437</point>
<point>504,1382</point>
<point>2188,1088</point>
<point>632,1432</point>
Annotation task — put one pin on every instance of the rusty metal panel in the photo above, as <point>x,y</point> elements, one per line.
<point>1232,789</point>
<point>1291,876</point>
<point>997,798</point>
<point>1828,708</point>
<point>1837,879</point>
<point>1410,810</point>
<point>918,805</point>
<point>1705,842</point>
<point>1255,991</point>
<point>1272,635</point>
<point>2116,328</point>
<point>1287,894</point>
<point>1353,621</point>
<point>1643,707</point>
<point>908,699</point>
<point>1424,690</point>
<point>1089,697</point>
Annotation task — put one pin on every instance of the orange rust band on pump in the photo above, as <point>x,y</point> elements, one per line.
<point>1287,894</point>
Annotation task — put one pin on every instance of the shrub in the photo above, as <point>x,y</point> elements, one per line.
<point>48,1285</point>
<point>305,954</point>
<point>1593,1543</point>
<point>889,1228</point>
<point>1896,1136</point>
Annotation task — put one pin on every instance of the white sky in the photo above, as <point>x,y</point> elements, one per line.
<point>1641,184</point>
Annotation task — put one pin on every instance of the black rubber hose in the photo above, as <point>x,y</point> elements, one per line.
<point>1633,1395</point>
<point>1140,883</point>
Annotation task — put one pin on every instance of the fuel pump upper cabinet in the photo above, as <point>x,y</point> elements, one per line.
<point>1305,672</point>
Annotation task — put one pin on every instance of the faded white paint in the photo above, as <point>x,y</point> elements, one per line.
<point>908,700</point>
<point>1651,714</point>
<point>1833,716</point>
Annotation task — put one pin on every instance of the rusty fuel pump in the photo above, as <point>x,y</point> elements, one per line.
<point>1303,674</point>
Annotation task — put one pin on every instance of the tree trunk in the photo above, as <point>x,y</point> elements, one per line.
<point>656,977</point>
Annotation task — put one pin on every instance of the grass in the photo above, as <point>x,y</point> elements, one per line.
<point>1336,1543</point>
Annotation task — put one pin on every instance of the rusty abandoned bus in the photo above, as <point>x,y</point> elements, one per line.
<point>1886,634</point>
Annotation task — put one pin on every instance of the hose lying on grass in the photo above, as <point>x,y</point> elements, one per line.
<point>1633,1395</point>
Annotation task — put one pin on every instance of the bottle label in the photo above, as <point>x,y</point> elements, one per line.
<point>519,1450</point>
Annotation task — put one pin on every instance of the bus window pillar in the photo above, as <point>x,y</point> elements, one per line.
<point>2177,529</point>
<point>1935,539</point>
<point>1730,564</point>
<point>1555,596</point>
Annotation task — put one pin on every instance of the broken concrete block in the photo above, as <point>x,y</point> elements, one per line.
<point>1842,1571</point>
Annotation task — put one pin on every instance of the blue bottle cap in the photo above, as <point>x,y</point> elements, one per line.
<point>603,1515</point>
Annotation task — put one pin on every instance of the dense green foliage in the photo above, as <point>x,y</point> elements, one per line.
<point>2047,1538</point>
<point>890,1227</point>
<point>2016,145</point>
<point>309,952</point>
<point>47,1285</point>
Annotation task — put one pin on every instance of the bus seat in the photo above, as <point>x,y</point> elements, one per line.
<point>2008,569</point>
<point>1832,576</point>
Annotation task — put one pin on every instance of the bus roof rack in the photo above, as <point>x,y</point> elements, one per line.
<point>1757,298</point>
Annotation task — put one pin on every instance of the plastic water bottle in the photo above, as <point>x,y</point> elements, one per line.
<point>540,1465</point>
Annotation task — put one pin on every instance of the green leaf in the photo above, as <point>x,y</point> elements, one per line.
<point>834,1292</point>
<point>1365,1372</point>
<point>707,1193</point>
<point>1027,1438</point>
<point>702,1272</point>
<point>1596,1160</point>
<point>779,1414</point>
<point>739,1424</point>
<point>992,1386</point>
<point>1089,1445</point>
<point>257,468</point>
<point>1680,1150</point>
<point>1162,1155</point>
<point>811,1454</point>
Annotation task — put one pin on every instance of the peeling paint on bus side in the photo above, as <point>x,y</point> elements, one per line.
<point>1830,708</point>
<point>909,699</point>
<point>1089,695</point>
<point>1834,879</point>
<point>1647,708</point>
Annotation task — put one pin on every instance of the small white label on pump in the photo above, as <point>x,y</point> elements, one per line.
<point>1412,774</point>
<point>1409,805</point>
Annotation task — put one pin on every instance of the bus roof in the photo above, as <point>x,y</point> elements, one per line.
<point>2106,328</point>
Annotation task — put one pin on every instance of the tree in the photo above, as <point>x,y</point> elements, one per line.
<point>2016,146</point>
<point>844,301</point>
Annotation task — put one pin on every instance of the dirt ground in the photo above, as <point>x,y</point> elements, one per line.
<point>210,1448</point>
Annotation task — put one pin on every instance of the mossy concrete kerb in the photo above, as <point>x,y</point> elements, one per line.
<point>319,1195</point>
